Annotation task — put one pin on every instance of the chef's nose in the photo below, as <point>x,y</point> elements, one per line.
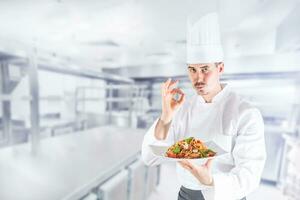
<point>199,76</point>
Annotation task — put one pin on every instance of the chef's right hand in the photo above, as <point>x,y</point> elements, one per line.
<point>169,104</point>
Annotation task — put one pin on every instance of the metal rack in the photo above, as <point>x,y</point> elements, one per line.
<point>29,59</point>
<point>123,102</point>
<point>10,57</point>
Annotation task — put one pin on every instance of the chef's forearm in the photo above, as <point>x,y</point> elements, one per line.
<point>161,129</point>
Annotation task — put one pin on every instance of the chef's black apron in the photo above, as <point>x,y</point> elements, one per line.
<point>187,194</point>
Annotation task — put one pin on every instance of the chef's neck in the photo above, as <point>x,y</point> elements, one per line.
<point>210,95</point>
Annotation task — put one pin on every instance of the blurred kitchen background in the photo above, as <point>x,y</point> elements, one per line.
<point>80,85</point>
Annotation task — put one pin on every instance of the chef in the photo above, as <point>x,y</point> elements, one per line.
<point>214,113</point>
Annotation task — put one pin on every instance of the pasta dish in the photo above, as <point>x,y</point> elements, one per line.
<point>189,148</point>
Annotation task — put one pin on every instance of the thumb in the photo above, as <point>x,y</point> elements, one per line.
<point>208,163</point>
<point>182,98</point>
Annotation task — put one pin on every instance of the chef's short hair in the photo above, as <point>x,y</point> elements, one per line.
<point>218,63</point>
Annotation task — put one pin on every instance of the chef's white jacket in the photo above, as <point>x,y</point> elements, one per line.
<point>232,123</point>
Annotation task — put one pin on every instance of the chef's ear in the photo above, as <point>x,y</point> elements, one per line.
<point>220,66</point>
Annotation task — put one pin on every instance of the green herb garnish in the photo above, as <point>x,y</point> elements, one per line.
<point>176,149</point>
<point>205,152</point>
<point>188,140</point>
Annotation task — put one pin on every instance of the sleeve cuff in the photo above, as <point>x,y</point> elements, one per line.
<point>151,140</point>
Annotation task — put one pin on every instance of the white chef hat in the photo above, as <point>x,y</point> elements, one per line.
<point>203,40</point>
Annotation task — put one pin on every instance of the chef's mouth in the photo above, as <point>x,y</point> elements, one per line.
<point>199,86</point>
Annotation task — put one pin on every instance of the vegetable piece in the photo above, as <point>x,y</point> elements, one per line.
<point>171,154</point>
<point>176,149</point>
<point>188,140</point>
<point>206,153</point>
<point>210,153</point>
<point>202,153</point>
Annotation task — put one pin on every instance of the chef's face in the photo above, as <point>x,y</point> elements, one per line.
<point>205,77</point>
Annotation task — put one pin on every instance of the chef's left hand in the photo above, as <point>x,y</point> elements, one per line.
<point>201,172</point>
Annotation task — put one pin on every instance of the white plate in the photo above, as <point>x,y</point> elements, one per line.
<point>160,151</point>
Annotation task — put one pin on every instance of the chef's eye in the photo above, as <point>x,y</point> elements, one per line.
<point>204,70</point>
<point>192,69</point>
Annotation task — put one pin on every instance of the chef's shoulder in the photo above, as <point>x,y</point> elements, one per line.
<point>245,109</point>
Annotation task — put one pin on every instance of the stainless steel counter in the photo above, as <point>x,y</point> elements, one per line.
<point>66,166</point>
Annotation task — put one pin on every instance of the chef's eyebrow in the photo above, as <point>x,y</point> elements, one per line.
<point>205,66</point>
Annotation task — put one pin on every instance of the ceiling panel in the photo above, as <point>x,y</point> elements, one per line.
<point>132,33</point>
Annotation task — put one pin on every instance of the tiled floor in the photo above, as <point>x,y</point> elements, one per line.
<point>169,187</point>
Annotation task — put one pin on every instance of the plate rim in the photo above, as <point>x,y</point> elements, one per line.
<point>192,159</point>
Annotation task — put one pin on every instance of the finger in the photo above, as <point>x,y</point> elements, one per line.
<point>184,162</point>
<point>188,163</point>
<point>181,97</point>
<point>164,86</point>
<point>172,83</point>
<point>209,163</point>
<point>167,83</point>
<point>176,90</point>
<point>186,166</point>
<point>180,94</point>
